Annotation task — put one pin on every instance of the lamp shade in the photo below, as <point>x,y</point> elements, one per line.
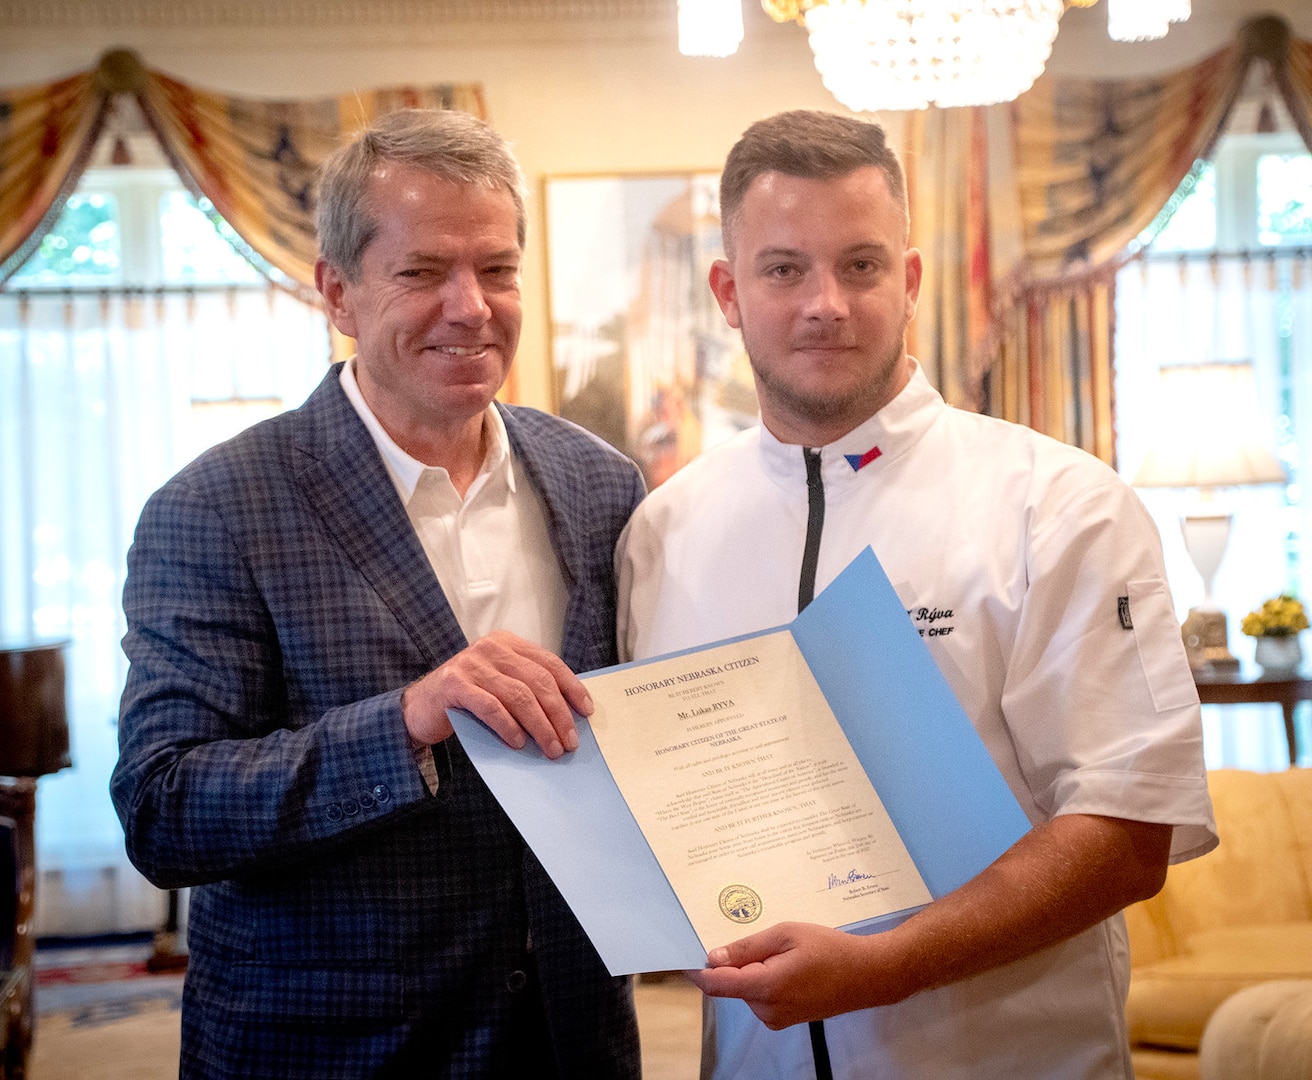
<point>1210,430</point>
<point>33,721</point>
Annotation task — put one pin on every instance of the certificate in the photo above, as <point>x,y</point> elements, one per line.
<point>748,793</point>
<point>851,787</point>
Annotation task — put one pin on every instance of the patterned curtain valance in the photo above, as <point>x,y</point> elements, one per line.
<point>254,159</point>
<point>1026,211</point>
<point>1099,159</point>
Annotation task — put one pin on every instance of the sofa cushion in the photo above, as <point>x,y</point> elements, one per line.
<point>1171,999</point>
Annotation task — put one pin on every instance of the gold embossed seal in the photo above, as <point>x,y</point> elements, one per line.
<point>740,903</point>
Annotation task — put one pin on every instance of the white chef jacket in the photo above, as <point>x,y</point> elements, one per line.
<point>1035,577</point>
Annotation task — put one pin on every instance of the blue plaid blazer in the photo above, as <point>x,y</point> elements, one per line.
<point>343,921</point>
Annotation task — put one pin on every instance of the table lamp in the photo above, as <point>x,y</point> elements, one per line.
<point>1210,434</point>
<point>33,719</point>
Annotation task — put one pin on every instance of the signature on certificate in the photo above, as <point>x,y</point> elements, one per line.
<point>850,878</point>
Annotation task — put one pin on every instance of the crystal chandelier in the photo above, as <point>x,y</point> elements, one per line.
<point>906,54</point>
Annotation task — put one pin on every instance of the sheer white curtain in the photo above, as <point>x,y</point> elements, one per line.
<point>103,396</point>
<point>1258,308</point>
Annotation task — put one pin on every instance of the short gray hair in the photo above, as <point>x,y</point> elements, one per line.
<point>809,144</point>
<point>446,142</point>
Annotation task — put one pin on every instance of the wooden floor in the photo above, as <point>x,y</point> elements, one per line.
<point>144,1046</point>
<point>670,1025</point>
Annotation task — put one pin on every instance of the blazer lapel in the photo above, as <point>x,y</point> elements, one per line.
<point>344,479</point>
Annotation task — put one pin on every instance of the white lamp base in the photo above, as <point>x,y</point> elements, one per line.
<point>1206,641</point>
<point>1206,532</point>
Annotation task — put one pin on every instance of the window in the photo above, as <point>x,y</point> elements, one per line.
<point>136,227</point>
<point>133,339</point>
<point>1256,193</point>
<point>1227,275</point>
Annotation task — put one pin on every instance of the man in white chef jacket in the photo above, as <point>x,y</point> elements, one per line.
<point>1035,577</point>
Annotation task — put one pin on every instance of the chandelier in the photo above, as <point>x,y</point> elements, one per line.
<point>895,55</point>
<point>907,54</point>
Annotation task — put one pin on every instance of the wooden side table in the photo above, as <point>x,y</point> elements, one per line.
<point>1248,686</point>
<point>11,987</point>
<point>18,805</point>
<point>33,743</point>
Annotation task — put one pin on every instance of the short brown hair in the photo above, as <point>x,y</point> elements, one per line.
<point>446,142</point>
<point>806,143</point>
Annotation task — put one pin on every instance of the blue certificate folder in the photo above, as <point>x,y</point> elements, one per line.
<point>938,783</point>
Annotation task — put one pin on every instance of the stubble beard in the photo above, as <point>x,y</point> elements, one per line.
<point>824,410</point>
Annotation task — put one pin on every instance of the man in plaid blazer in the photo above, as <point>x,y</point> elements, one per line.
<point>300,605</point>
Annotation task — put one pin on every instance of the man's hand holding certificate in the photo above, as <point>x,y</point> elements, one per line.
<point>762,780</point>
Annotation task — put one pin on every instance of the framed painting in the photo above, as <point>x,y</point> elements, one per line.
<point>640,352</point>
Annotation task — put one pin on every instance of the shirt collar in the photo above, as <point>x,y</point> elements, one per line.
<point>890,432</point>
<point>405,470</point>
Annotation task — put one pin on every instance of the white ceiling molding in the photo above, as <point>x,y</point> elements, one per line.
<point>186,14</point>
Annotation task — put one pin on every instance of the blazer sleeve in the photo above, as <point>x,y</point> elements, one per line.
<point>217,777</point>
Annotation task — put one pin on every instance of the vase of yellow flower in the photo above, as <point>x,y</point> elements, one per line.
<point>1276,625</point>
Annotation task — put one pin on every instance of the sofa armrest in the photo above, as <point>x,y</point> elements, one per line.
<point>1261,1033</point>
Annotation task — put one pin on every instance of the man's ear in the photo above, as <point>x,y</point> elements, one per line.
<point>725,290</point>
<point>331,284</point>
<point>915,268</point>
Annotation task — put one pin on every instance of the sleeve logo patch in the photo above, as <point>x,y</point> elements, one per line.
<point>1123,610</point>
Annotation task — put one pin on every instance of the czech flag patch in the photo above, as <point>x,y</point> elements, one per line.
<point>860,461</point>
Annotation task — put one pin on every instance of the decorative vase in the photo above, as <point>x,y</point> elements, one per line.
<point>1283,653</point>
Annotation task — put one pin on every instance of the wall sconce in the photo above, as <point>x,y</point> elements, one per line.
<point>710,27</point>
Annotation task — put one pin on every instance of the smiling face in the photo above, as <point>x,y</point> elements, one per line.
<point>435,310</point>
<point>822,285</point>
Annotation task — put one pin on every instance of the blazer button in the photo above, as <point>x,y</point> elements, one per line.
<point>516,981</point>
<point>334,812</point>
<point>366,801</point>
<point>382,793</point>
<point>350,807</point>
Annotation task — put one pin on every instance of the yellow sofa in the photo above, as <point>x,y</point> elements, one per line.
<point>1238,916</point>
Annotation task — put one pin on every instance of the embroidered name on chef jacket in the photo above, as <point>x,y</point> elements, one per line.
<point>932,621</point>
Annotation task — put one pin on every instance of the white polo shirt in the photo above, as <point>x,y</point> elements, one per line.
<point>1035,577</point>
<point>491,550</point>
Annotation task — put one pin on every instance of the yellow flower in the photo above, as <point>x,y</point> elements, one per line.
<point>1280,616</point>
